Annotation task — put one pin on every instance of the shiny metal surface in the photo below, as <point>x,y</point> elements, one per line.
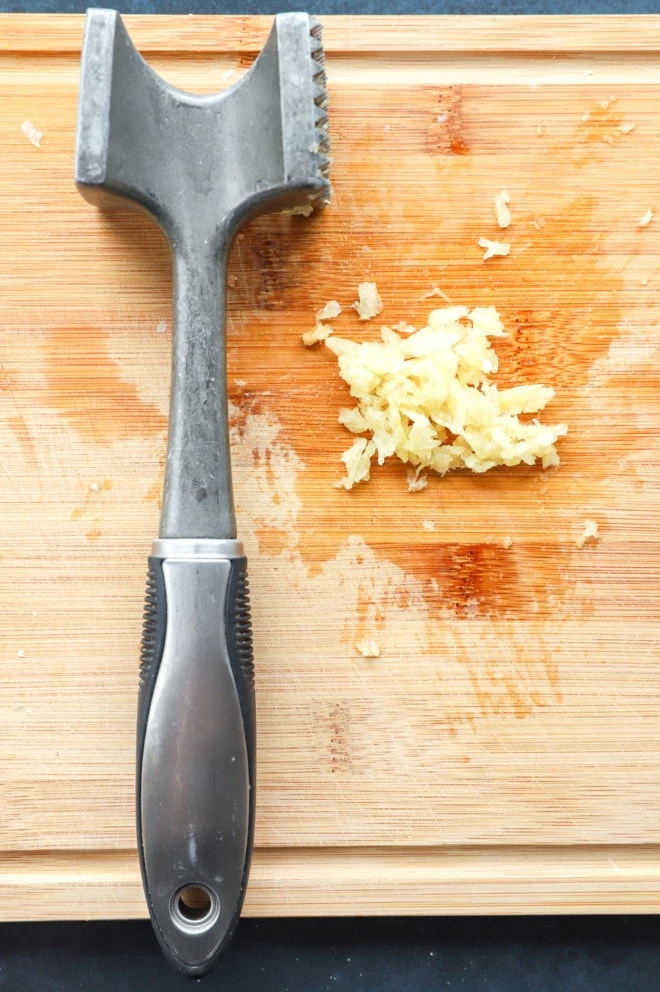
<point>202,166</point>
<point>173,547</point>
<point>194,783</point>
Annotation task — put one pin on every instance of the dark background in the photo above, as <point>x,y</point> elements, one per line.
<point>534,954</point>
<point>347,6</point>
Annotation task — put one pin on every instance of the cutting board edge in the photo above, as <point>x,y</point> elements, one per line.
<point>369,881</point>
<point>286,882</point>
<point>581,34</point>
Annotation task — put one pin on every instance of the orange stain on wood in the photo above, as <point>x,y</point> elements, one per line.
<point>552,674</point>
<point>447,133</point>
<point>585,327</point>
<point>370,615</point>
<point>94,533</point>
<point>498,695</point>
<point>88,389</point>
<point>90,496</point>
<point>601,122</point>
<point>522,680</point>
<point>22,435</point>
<point>155,493</point>
<point>272,540</point>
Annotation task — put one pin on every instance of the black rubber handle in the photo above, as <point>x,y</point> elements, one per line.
<point>195,789</point>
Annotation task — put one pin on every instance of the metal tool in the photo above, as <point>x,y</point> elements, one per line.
<point>202,166</point>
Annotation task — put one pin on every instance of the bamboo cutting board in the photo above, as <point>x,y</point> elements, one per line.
<point>502,753</point>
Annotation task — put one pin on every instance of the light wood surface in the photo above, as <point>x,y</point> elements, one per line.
<point>502,753</point>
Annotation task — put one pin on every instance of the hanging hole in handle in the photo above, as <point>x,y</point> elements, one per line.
<point>195,907</point>
<point>194,903</point>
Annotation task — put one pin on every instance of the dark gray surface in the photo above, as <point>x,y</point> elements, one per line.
<point>566,954</point>
<point>350,6</point>
<point>579,954</point>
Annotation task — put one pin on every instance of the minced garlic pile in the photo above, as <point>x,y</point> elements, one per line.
<point>426,398</point>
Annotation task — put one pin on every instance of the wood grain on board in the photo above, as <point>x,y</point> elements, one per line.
<point>502,753</point>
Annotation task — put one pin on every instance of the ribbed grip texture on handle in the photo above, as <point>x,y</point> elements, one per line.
<point>239,621</point>
<point>154,626</point>
<point>150,623</point>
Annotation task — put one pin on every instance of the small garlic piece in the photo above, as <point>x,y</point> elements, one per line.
<point>434,291</point>
<point>368,648</point>
<point>369,303</point>
<point>302,210</point>
<point>320,333</point>
<point>493,248</point>
<point>31,133</point>
<point>590,533</point>
<point>502,212</point>
<point>330,310</point>
<point>416,482</point>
